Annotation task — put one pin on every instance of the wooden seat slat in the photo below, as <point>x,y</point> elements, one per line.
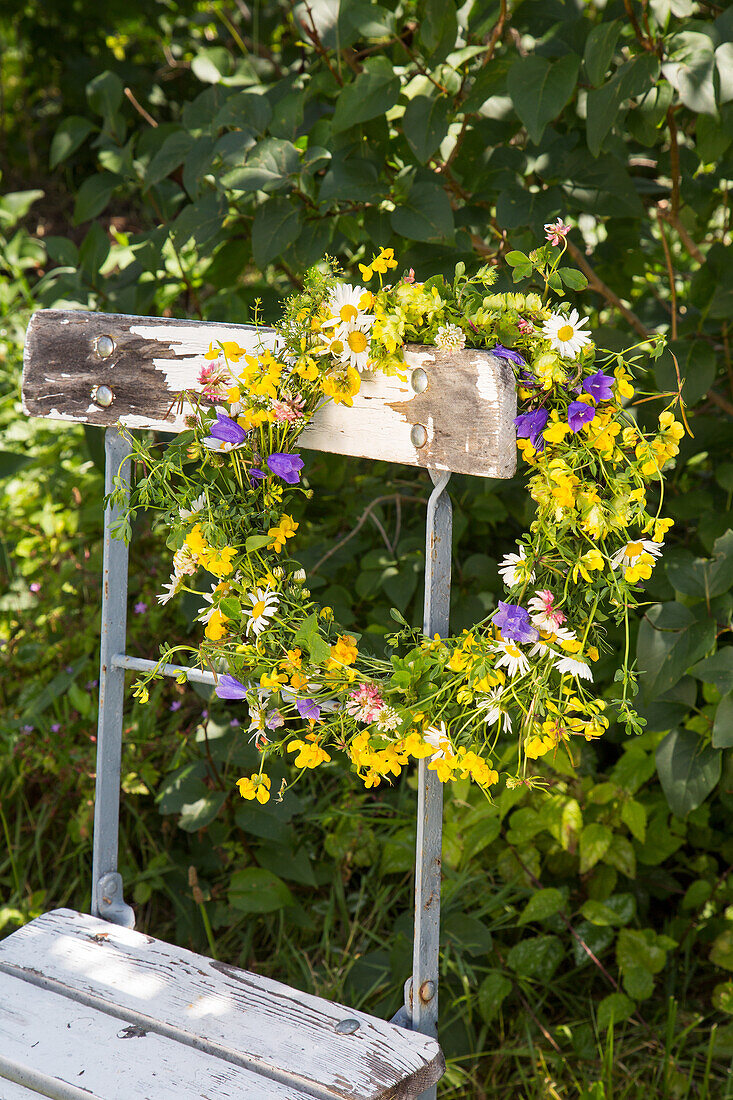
<point>233,1015</point>
<point>467,410</point>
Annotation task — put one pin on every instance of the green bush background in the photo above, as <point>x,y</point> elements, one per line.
<point>188,159</point>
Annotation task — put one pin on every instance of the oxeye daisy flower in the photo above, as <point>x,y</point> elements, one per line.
<point>264,605</point>
<point>437,736</point>
<point>512,658</point>
<point>170,588</point>
<point>356,346</point>
<point>514,569</point>
<point>573,667</point>
<point>636,559</point>
<point>196,506</point>
<point>346,306</point>
<point>566,334</point>
<point>493,710</point>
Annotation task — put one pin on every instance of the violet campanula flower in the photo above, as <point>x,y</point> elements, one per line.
<point>508,353</point>
<point>579,414</point>
<point>225,433</point>
<point>307,708</point>
<point>599,386</point>
<point>286,466</point>
<point>229,687</point>
<point>254,474</point>
<point>530,425</point>
<point>514,623</point>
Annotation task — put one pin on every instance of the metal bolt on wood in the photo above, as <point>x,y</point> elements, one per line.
<point>347,1027</point>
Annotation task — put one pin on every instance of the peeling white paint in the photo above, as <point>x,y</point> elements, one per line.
<point>54,414</point>
<point>486,379</point>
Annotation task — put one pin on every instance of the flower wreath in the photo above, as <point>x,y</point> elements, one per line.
<point>526,670</point>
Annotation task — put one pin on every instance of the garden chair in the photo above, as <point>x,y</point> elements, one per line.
<point>88,1006</point>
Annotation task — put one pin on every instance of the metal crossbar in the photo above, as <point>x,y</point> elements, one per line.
<point>421,994</point>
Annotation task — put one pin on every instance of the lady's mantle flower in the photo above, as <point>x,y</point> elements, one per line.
<point>229,687</point>
<point>599,386</point>
<point>637,559</point>
<point>225,433</point>
<point>546,616</point>
<point>574,668</point>
<point>512,659</point>
<point>579,414</point>
<point>556,232</point>
<point>450,338</point>
<point>264,605</point>
<point>508,353</point>
<point>514,623</point>
<point>514,569</point>
<point>530,425</point>
<point>565,333</point>
<point>286,466</point>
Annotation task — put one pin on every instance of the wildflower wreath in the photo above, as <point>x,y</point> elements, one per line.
<point>525,671</point>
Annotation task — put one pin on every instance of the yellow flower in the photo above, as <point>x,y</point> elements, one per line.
<point>310,752</point>
<point>380,264</point>
<point>416,747</point>
<point>215,629</point>
<point>661,526</point>
<point>623,383</point>
<point>344,652</point>
<point>196,542</point>
<point>231,350</point>
<point>538,746</point>
<point>285,529</point>
<point>219,562</point>
<point>341,384</point>
<point>272,682</point>
<point>307,368</point>
<point>257,786</point>
<point>593,559</point>
<point>556,431</point>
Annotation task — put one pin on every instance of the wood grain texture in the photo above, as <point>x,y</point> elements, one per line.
<point>467,410</point>
<point>62,1048</point>
<point>241,1018</point>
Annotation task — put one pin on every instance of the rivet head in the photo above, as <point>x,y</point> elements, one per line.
<point>418,435</point>
<point>103,396</point>
<point>347,1027</point>
<point>419,380</point>
<point>427,991</point>
<point>104,346</point>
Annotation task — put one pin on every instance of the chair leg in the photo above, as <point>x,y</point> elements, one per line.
<point>423,1002</point>
<point>107,899</point>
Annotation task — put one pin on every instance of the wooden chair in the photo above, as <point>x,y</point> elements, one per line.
<point>90,1008</point>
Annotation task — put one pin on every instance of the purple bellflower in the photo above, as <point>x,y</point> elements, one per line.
<point>508,353</point>
<point>229,687</point>
<point>514,623</point>
<point>599,386</point>
<point>286,466</point>
<point>531,425</point>
<point>225,433</point>
<point>579,414</point>
<point>307,708</point>
<point>254,474</point>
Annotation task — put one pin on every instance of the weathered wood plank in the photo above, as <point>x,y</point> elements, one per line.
<point>62,1048</point>
<point>11,1090</point>
<point>238,1016</point>
<point>467,410</point>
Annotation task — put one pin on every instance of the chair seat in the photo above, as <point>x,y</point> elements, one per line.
<point>95,1011</point>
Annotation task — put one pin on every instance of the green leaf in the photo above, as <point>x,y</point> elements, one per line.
<point>638,982</point>
<point>704,578</point>
<point>721,953</point>
<point>600,46</point>
<point>105,93</point>
<point>16,205</point>
<point>722,997</point>
<point>670,639</point>
<point>93,196</point>
<point>717,670</point>
<point>256,542</point>
<point>438,27</point>
<point>425,124</point>
<point>598,913</point>
<point>540,89</point>
<point>309,636</point>
<point>621,855</point>
<point>200,220</point>
<point>543,904</point>
<point>633,78</point>
<point>576,280</point>
<point>374,91</point>
<point>517,259</point>
<point>687,771</point>
<point>723,724</point>
<point>11,462</point>
<point>69,136</point>
<point>492,992</point>
<point>613,1009</point>
<point>697,364</point>
<point>170,156</point>
<point>691,69</point>
<point>256,890</point>
<point>93,252</point>
<point>269,167</point>
<point>199,814</point>
<point>212,64</point>
<point>594,843</point>
<point>425,215</point>
<point>633,815</point>
<point>276,225</point>
<point>639,947</point>
<point>537,957</point>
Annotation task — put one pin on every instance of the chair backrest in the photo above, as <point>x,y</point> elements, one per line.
<point>451,413</point>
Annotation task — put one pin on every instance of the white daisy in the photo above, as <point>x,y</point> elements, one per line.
<point>513,569</point>
<point>196,506</point>
<point>221,589</point>
<point>437,736</point>
<point>566,333</point>
<point>512,658</point>
<point>541,647</point>
<point>450,338</point>
<point>346,304</point>
<point>492,708</point>
<point>356,346</point>
<point>574,668</point>
<point>170,588</point>
<point>264,605</point>
<point>333,345</point>
<point>629,554</point>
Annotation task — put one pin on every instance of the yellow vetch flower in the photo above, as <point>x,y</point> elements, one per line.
<point>215,629</point>
<point>623,383</point>
<point>285,529</point>
<point>257,786</point>
<point>344,652</point>
<point>342,384</point>
<point>310,752</point>
<point>195,541</point>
